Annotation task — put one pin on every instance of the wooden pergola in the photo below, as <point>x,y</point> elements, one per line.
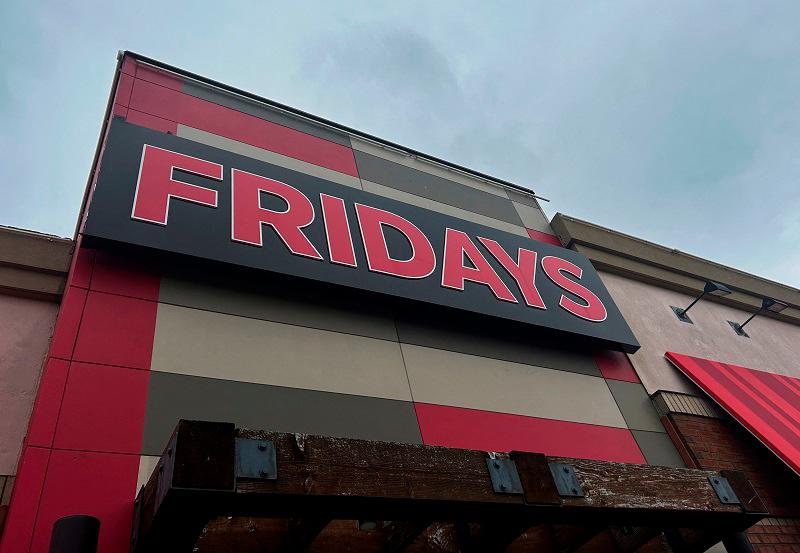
<point>219,488</point>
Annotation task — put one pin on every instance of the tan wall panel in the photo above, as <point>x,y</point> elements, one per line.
<point>25,329</point>
<point>203,343</point>
<point>414,163</point>
<point>772,346</point>
<point>460,380</point>
<point>147,464</point>
<point>419,201</point>
<point>241,148</point>
<point>312,311</point>
<point>533,218</point>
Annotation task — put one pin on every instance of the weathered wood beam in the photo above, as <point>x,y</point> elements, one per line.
<point>629,539</point>
<point>404,533</point>
<point>570,538</point>
<point>302,533</point>
<point>490,537</point>
<point>333,478</point>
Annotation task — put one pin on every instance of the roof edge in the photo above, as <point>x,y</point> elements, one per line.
<point>647,261</point>
<point>329,123</point>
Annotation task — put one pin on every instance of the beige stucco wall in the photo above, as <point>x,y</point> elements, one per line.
<point>25,329</point>
<point>773,346</point>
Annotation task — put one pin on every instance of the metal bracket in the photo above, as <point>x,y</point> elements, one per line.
<point>724,490</point>
<point>504,475</point>
<point>256,459</point>
<point>565,479</point>
<point>682,315</point>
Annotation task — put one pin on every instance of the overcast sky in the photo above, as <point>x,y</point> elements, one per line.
<point>678,122</point>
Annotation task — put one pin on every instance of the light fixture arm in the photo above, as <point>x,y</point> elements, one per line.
<point>697,299</point>
<point>751,317</point>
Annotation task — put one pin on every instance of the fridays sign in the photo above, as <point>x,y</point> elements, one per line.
<point>171,194</point>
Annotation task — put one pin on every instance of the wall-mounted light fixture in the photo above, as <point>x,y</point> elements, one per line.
<point>710,289</point>
<point>767,304</point>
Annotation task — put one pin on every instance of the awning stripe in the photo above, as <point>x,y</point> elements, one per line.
<point>767,405</point>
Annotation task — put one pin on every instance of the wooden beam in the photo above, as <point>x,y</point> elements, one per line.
<point>570,538</point>
<point>322,478</point>
<point>403,534</point>
<point>629,539</point>
<point>302,533</point>
<point>490,537</point>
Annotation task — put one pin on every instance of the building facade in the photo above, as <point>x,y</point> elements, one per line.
<point>33,269</point>
<point>240,261</point>
<point>647,280</point>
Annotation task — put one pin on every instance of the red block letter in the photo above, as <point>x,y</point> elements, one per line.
<point>337,231</point>
<point>454,273</point>
<point>156,186</point>
<point>523,271</point>
<point>371,221</point>
<point>554,268</point>
<point>248,215</point>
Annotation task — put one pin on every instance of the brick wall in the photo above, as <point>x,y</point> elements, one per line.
<point>720,444</point>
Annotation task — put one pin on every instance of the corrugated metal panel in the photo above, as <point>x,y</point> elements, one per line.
<point>684,404</point>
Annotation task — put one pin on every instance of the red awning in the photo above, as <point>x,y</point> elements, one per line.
<point>768,405</point>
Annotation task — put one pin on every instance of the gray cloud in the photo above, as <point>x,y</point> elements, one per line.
<point>678,122</point>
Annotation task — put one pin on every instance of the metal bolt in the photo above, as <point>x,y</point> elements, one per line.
<point>724,498</point>
<point>502,486</point>
<point>262,473</point>
<point>496,465</point>
<point>716,481</point>
<point>262,447</point>
<point>566,469</point>
<point>574,491</point>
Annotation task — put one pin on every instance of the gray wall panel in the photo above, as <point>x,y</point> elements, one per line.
<point>262,111</point>
<point>635,405</point>
<point>388,173</point>
<point>444,335</point>
<point>447,209</point>
<point>172,397</point>
<point>533,218</point>
<point>322,311</point>
<point>420,163</point>
<point>521,198</point>
<point>658,449</point>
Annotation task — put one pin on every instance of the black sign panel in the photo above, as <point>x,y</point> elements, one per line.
<point>164,192</point>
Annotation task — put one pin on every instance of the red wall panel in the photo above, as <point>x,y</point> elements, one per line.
<point>152,122</point>
<point>116,330</point>
<point>116,275</point>
<point>175,106</point>
<point>25,500</point>
<point>543,237</point>
<point>614,365</point>
<point>486,431</point>
<point>155,76</point>
<point>43,421</point>
<point>98,484</point>
<point>103,409</point>
<point>69,317</point>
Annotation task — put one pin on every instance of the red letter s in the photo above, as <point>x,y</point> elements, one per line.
<point>594,310</point>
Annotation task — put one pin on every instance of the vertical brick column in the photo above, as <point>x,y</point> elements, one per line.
<point>720,444</point>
